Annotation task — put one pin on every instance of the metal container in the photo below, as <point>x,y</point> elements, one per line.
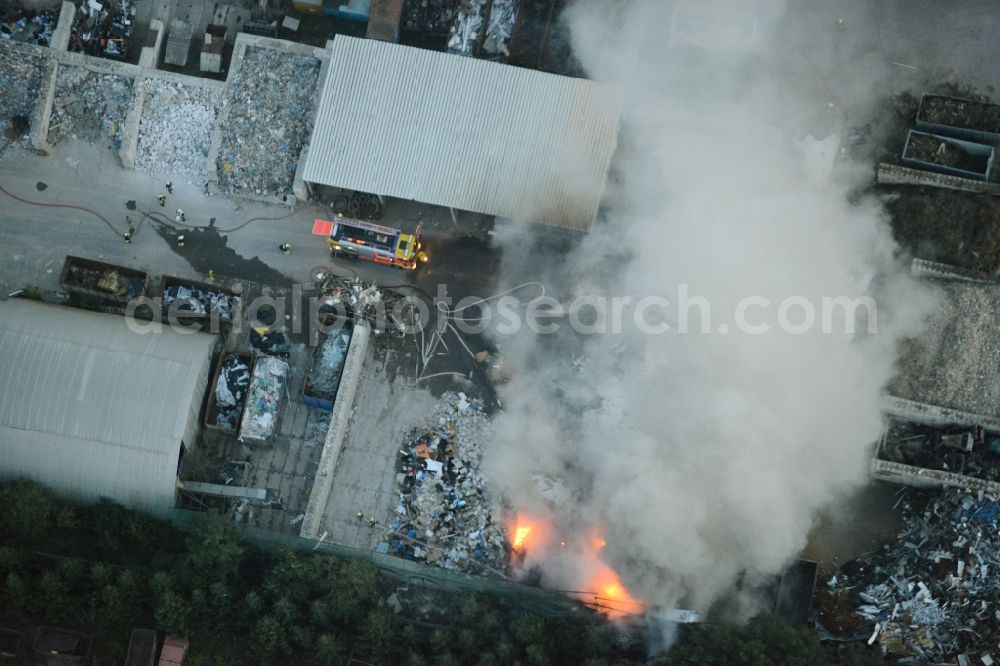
<point>201,318</point>
<point>107,282</point>
<point>982,134</point>
<point>978,165</point>
<point>211,408</point>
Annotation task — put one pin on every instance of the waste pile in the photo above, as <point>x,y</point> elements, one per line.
<point>33,27</point>
<point>120,28</point>
<point>971,451</point>
<point>230,391</point>
<point>444,515</point>
<point>90,27</point>
<point>930,594</point>
<point>21,72</point>
<point>433,17</point>
<point>176,129</point>
<point>268,341</point>
<point>88,105</point>
<point>384,310</point>
<point>467,28</point>
<point>323,378</point>
<point>109,281</point>
<point>503,17</point>
<point>270,108</point>
<point>267,387</point>
<point>192,300</point>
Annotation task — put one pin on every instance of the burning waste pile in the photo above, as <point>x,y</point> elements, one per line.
<point>230,390</point>
<point>88,105</point>
<point>929,595</point>
<point>444,516</point>
<point>176,129</point>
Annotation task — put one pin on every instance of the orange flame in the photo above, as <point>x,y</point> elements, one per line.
<point>521,534</point>
<point>609,594</point>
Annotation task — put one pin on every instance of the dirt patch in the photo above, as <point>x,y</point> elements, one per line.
<point>957,228</point>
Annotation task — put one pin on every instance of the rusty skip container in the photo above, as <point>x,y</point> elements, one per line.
<point>963,118</point>
<point>97,279</point>
<point>943,154</point>
<point>213,410</point>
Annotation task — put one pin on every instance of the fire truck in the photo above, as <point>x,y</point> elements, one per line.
<point>384,245</point>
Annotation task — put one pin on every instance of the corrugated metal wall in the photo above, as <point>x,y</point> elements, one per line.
<point>464,133</point>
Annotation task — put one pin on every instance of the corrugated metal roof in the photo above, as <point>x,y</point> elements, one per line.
<point>93,409</point>
<point>465,133</point>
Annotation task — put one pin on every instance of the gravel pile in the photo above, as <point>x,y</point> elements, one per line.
<point>21,72</point>
<point>269,119</point>
<point>90,106</point>
<point>176,129</point>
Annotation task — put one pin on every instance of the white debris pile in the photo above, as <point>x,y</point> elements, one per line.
<point>176,129</point>
<point>21,72</point>
<point>317,425</point>
<point>192,300</point>
<point>89,106</point>
<point>267,387</point>
<point>468,26</point>
<point>503,16</point>
<point>930,594</point>
<point>433,17</point>
<point>270,108</point>
<point>444,515</point>
<point>230,391</point>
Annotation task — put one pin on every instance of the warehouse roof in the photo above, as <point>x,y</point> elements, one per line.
<point>464,133</point>
<point>94,409</point>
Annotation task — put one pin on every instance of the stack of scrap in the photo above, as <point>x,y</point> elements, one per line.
<point>90,26</point>
<point>21,74</point>
<point>930,594</point>
<point>191,300</point>
<point>29,26</point>
<point>231,391</point>
<point>444,516</point>
<point>108,281</point>
<point>260,417</point>
<point>120,29</point>
<point>465,32</point>
<point>503,17</point>
<point>432,17</point>
<point>270,102</point>
<point>176,129</point>
<point>88,106</point>
<point>328,364</point>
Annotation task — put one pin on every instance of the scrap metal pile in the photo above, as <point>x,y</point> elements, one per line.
<point>176,129</point>
<point>930,595</point>
<point>351,298</point>
<point>444,515</point>
<point>970,451</point>
<point>433,17</point>
<point>29,26</point>
<point>269,117</point>
<point>88,105</point>
<point>503,17</point>
<point>191,300</point>
<point>268,386</point>
<point>328,364</point>
<point>109,281</point>
<point>465,33</point>
<point>21,71</point>
<point>230,391</point>
<point>103,28</point>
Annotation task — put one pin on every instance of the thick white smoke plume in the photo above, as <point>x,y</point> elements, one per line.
<point>704,456</point>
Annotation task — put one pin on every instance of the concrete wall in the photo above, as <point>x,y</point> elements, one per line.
<point>343,405</point>
<point>61,35</point>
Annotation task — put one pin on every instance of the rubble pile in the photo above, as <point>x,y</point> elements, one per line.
<point>503,16</point>
<point>270,104</point>
<point>971,451</point>
<point>176,129</point>
<point>930,594</point>
<point>433,17</point>
<point>230,391</point>
<point>317,425</point>
<point>466,30</point>
<point>29,26</point>
<point>90,24</point>
<point>200,302</point>
<point>21,73</point>
<point>260,417</point>
<point>88,105</point>
<point>444,516</point>
<point>109,281</point>
<point>328,365</point>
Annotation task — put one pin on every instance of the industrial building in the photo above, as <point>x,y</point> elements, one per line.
<point>463,133</point>
<point>93,409</point>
